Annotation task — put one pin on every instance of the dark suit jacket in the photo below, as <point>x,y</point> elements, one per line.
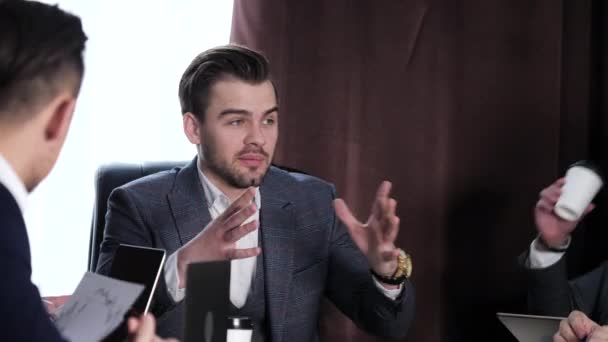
<point>22,314</point>
<point>307,252</point>
<point>551,293</point>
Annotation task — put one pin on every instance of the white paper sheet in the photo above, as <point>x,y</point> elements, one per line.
<point>96,308</point>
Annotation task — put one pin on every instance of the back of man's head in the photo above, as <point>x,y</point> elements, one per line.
<point>41,68</point>
<point>40,52</point>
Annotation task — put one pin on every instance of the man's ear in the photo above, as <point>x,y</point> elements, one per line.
<point>59,120</point>
<point>192,128</point>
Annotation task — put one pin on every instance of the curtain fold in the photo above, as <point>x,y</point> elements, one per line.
<point>469,107</point>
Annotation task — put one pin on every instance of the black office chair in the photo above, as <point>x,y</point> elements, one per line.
<point>113,175</point>
<point>107,178</point>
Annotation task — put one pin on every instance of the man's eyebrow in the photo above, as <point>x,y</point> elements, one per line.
<point>229,111</point>
<point>234,111</point>
<point>272,110</point>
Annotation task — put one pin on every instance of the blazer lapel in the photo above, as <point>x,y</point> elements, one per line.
<point>278,230</point>
<point>188,203</point>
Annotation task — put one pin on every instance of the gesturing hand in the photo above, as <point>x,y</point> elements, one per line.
<point>376,237</point>
<point>217,241</point>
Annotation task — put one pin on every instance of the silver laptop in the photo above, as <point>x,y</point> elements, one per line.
<point>530,328</point>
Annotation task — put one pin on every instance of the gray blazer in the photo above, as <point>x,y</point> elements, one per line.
<point>308,253</point>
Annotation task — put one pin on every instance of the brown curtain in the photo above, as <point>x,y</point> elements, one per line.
<point>468,107</point>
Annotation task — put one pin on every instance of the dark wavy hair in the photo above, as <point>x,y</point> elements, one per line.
<point>211,66</point>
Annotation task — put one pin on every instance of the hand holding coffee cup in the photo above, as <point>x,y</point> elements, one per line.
<point>582,183</point>
<point>554,230</point>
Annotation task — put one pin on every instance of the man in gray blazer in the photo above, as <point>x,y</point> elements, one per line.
<point>308,245</point>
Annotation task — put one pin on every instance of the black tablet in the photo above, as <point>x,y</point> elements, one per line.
<point>141,265</point>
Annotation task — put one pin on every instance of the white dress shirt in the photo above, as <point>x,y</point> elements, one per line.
<point>541,257</point>
<point>242,271</point>
<point>11,181</point>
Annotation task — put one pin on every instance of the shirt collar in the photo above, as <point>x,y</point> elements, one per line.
<point>215,196</point>
<point>12,182</point>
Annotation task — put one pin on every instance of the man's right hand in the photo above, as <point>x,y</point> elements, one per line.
<point>575,328</point>
<point>217,241</point>
<point>143,330</point>
<point>553,230</point>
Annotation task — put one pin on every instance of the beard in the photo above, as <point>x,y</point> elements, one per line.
<point>229,172</point>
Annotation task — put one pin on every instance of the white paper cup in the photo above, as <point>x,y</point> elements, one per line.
<point>239,335</point>
<point>582,184</point>
<point>240,329</point>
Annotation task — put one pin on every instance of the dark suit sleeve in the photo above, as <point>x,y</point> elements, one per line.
<point>125,224</point>
<point>551,293</point>
<point>22,313</point>
<point>351,288</point>
<point>548,289</point>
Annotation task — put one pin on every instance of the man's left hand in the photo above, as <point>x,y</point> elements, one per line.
<point>598,334</point>
<point>577,327</point>
<point>376,237</point>
<point>53,304</point>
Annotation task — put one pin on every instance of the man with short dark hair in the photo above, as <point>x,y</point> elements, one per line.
<point>211,209</point>
<point>41,69</point>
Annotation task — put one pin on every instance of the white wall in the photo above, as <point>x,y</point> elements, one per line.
<point>128,111</point>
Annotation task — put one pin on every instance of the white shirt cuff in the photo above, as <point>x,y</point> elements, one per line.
<point>392,294</point>
<point>172,279</point>
<point>541,257</point>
